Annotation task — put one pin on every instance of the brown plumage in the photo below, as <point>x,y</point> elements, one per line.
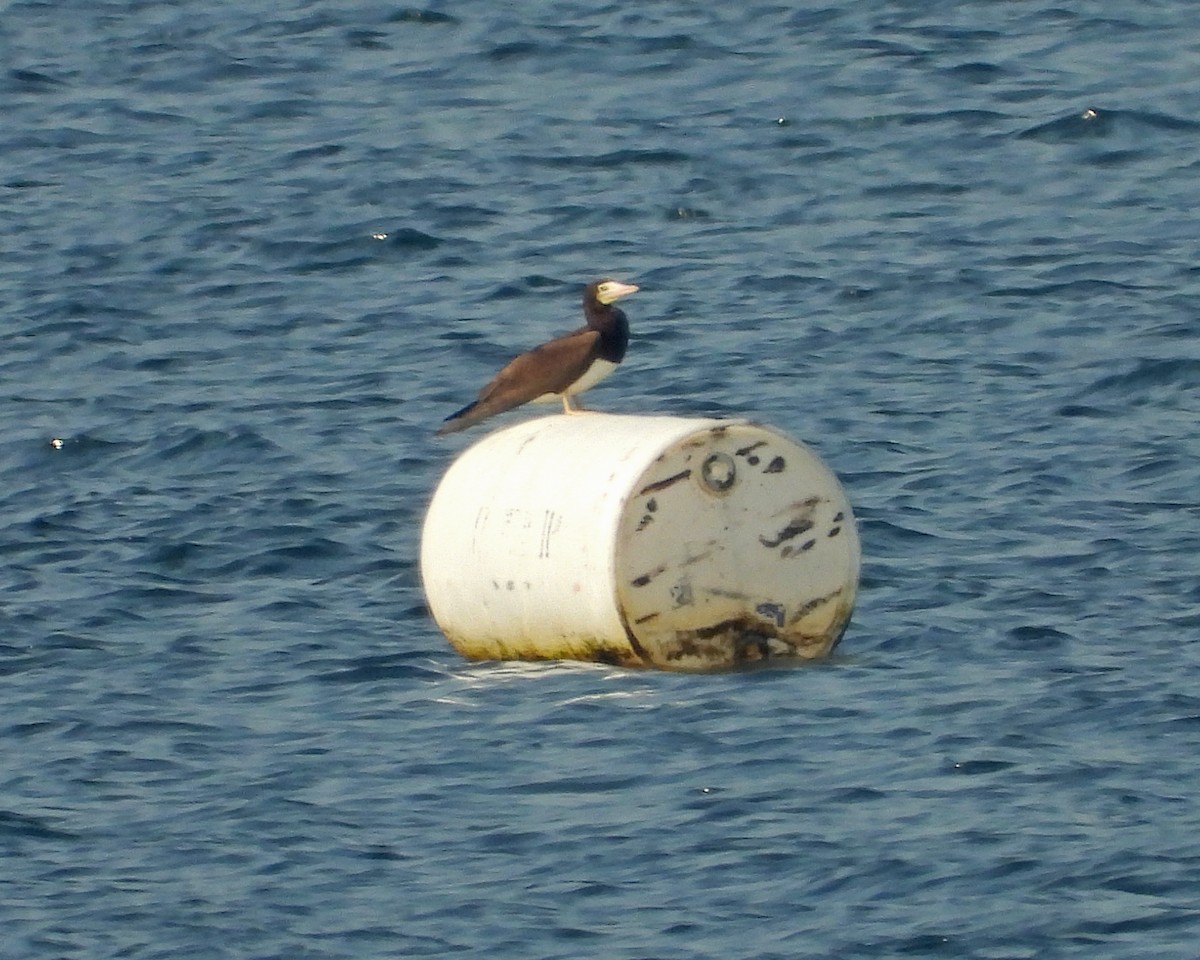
<point>560,369</point>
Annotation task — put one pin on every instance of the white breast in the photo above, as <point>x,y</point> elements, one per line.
<point>595,373</point>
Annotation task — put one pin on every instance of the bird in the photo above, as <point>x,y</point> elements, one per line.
<point>559,369</point>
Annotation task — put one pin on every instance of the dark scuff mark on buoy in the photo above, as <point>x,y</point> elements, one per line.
<point>526,442</point>
<point>801,522</point>
<point>728,643</point>
<point>744,640</point>
<point>774,611</point>
<point>648,516</point>
<point>745,451</point>
<point>646,618</point>
<point>727,594</point>
<point>663,484</point>
<point>634,643</point>
<point>794,529</point>
<point>682,594</point>
<point>834,532</point>
<point>551,522</point>
<point>814,604</point>
<point>778,465</point>
<point>725,628</point>
<point>645,578</point>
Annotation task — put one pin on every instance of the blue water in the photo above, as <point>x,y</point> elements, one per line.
<point>252,253</point>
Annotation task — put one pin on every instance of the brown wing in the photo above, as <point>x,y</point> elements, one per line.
<point>550,368</point>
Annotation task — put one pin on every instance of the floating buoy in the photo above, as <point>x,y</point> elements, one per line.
<point>676,543</point>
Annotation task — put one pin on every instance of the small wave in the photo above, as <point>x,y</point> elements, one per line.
<point>973,768</point>
<point>1037,637</point>
<point>1070,289</point>
<point>1086,125</point>
<point>514,290</point>
<point>410,238</point>
<point>304,154</point>
<point>219,446</point>
<point>366,39</point>
<point>1092,124</point>
<point>356,248</point>
<point>372,669</point>
<point>1176,372</point>
<point>977,72</point>
<point>34,80</point>
<point>22,825</point>
<point>423,17</point>
<point>916,189</point>
<point>614,158</point>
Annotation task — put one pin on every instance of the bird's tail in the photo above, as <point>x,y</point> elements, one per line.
<point>460,420</point>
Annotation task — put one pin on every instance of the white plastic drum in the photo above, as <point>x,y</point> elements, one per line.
<point>649,541</point>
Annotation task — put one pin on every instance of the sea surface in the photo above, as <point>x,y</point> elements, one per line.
<point>252,253</point>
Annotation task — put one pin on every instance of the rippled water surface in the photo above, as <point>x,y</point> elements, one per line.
<point>251,254</point>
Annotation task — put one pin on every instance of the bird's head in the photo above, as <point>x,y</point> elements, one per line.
<point>608,291</point>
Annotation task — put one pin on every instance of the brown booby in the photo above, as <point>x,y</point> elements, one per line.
<point>560,369</point>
